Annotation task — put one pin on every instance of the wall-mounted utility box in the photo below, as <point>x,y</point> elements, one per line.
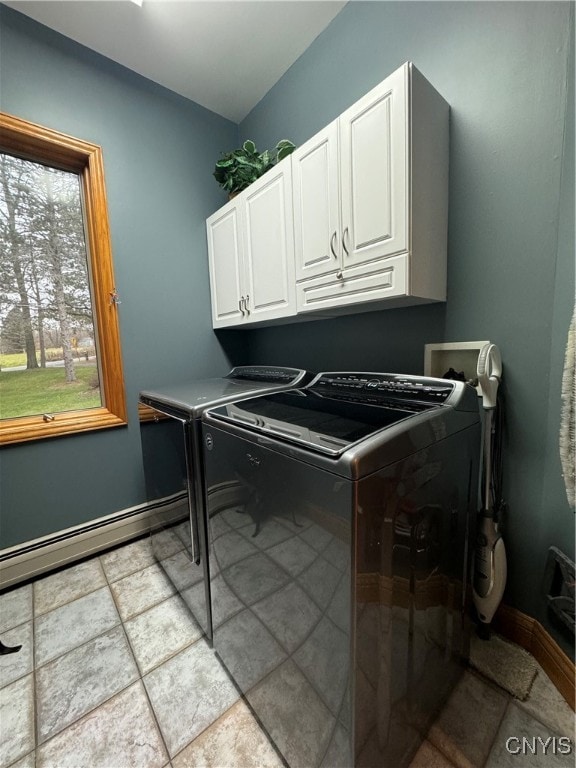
<point>461,356</point>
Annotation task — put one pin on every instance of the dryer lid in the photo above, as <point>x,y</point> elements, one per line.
<point>188,399</point>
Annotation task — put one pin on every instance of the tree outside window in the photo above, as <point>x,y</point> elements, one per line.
<point>60,359</point>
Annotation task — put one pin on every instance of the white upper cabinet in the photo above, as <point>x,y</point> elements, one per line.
<point>350,185</point>
<point>316,185</point>
<point>251,253</point>
<point>355,219</point>
<point>373,173</point>
<point>269,245</point>
<point>226,263</point>
<point>383,236</point>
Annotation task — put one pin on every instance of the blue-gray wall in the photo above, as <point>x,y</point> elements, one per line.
<point>159,152</point>
<point>506,69</point>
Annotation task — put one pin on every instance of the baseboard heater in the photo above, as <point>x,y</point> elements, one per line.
<point>39,556</point>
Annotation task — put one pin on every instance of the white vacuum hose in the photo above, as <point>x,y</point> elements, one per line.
<point>490,566</point>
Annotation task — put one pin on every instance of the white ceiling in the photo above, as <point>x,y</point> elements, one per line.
<point>222,54</point>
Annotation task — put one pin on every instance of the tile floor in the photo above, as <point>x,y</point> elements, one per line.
<point>113,673</point>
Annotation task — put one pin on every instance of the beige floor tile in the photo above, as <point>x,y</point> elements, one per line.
<point>28,761</point>
<point>69,584</point>
<point>182,531</point>
<point>181,572</point>
<point>139,591</point>
<point>168,542</point>
<point>546,704</point>
<point>161,632</point>
<point>127,559</point>
<point>235,741</point>
<point>224,602</point>
<point>466,727</point>
<point>74,623</point>
<point>15,607</point>
<point>16,665</point>
<point>95,713</point>
<point>16,720</point>
<point>429,757</point>
<point>121,733</point>
<point>522,740</point>
<point>339,752</point>
<point>81,680</point>
<point>300,724</point>
<point>188,693</point>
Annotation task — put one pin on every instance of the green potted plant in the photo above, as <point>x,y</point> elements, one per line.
<point>236,170</point>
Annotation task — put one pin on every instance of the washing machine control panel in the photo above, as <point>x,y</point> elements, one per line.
<point>379,388</point>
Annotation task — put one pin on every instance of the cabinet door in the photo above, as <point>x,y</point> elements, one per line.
<point>316,183</point>
<point>374,172</point>
<point>225,254</point>
<point>269,246</point>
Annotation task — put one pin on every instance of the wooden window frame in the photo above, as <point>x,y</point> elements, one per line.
<point>39,144</point>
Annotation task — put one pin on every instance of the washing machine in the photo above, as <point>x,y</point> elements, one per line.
<point>172,455</point>
<point>340,521</point>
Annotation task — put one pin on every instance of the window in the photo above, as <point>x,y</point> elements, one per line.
<point>57,293</point>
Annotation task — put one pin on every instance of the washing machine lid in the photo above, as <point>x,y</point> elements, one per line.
<point>337,410</point>
<point>187,400</point>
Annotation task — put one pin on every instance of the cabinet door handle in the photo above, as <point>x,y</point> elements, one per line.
<point>332,241</point>
<point>340,275</point>
<point>246,300</point>
<point>344,237</point>
<point>241,305</point>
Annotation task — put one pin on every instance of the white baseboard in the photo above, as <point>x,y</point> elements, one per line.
<point>37,557</point>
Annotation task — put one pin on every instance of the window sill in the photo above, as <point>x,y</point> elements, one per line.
<point>28,428</point>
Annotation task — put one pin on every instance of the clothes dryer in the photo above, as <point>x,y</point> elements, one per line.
<point>173,458</point>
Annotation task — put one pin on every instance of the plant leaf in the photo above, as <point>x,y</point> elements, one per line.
<point>284,148</point>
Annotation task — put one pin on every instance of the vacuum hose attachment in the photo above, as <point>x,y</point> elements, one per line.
<point>490,568</point>
<point>489,373</point>
<point>490,571</point>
